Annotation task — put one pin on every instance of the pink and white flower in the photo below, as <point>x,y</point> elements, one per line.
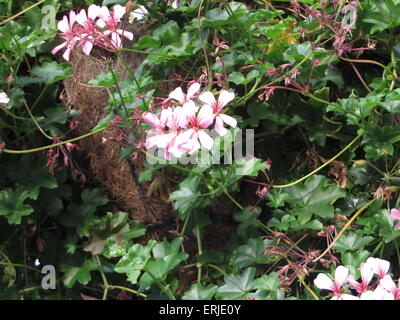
<point>324,282</point>
<point>110,20</point>
<point>159,136</point>
<point>367,273</point>
<point>388,284</point>
<point>378,294</point>
<point>196,137</point>
<point>68,33</point>
<point>138,14</point>
<point>179,96</point>
<point>217,106</point>
<point>90,29</point>
<point>4,99</point>
<point>395,214</point>
<point>380,267</point>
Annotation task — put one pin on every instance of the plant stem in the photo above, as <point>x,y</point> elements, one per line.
<point>18,265</point>
<point>111,287</point>
<point>53,145</point>
<point>103,277</point>
<point>21,12</point>
<point>228,195</point>
<point>321,167</point>
<point>354,217</point>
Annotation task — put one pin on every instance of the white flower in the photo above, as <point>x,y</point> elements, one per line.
<point>4,98</point>
<point>138,14</point>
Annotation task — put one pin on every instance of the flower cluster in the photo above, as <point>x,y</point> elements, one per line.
<point>98,26</point>
<point>183,127</point>
<point>383,288</point>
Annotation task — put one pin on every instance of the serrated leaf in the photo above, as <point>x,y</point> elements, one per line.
<point>12,205</point>
<point>198,292</point>
<point>237,285</point>
<point>315,196</point>
<point>50,72</point>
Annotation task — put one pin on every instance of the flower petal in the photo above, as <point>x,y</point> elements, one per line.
<point>205,116</point>
<point>205,140</point>
<point>94,11</point>
<point>67,54</point>
<point>388,284</point>
<point>58,48</point>
<point>341,274</point>
<point>367,272</point>
<point>126,34</point>
<point>4,98</point>
<point>151,119</point>
<point>208,98</point>
<point>87,47</point>
<point>177,95</point>
<point>116,41</point>
<point>119,11</point>
<point>63,25</point>
<point>219,126</point>
<point>81,17</point>
<point>229,120</point>
<point>193,89</point>
<point>395,214</point>
<point>322,281</point>
<point>380,266</point>
<point>225,97</point>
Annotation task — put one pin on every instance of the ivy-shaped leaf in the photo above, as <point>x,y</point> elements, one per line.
<point>315,196</point>
<point>237,286</point>
<point>198,292</point>
<point>12,205</point>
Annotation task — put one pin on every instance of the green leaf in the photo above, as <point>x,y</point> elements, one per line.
<point>251,253</point>
<point>352,242</point>
<point>32,175</point>
<point>198,292</point>
<point>379,141</point>
<point>135,260</point>
<point>80,274</point>
<point>104,79</point>
<point>268,282</point>
<point>12,205</point>
<point>315,196</point>
<point>113,226</point>
<point>50,72</point>
<point>187,195</point>
<point>250,167</point>
<point>237,286</point>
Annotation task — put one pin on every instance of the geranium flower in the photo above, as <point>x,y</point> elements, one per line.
<point>195,137</point>
<point>87,21</point>
<point>378,294</point>
<point>224,98</point>
<point>4,98</point>
<point>367,273</point>
<point>138,14</point>
<point>380,267</point>
<point>175,3</point>
<point>179,96</point>
<point>395,214</point>
<point>160,136</point>
<point>66,26</point>
<point>388,284</point>
<point>110,20</point>
<point>325,283</point>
